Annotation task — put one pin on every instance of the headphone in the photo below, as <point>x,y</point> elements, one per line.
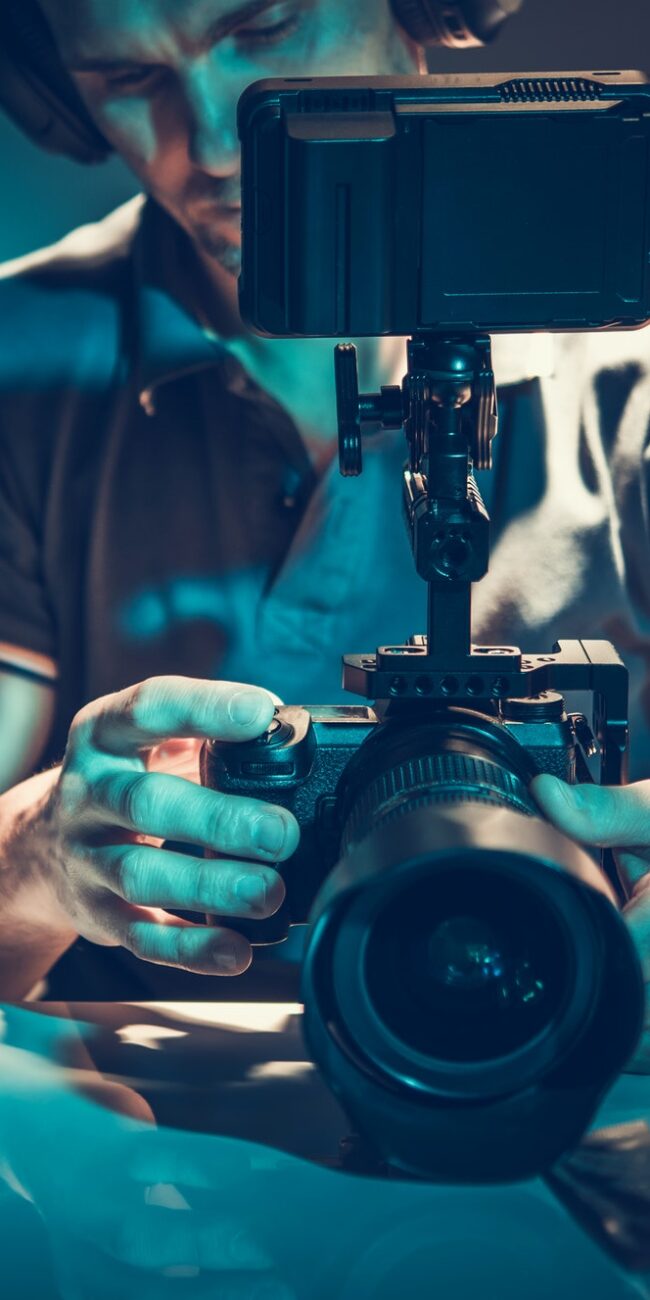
<point>39,94</point>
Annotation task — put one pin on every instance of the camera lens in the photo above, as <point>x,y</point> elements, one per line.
<point>466,977</point>
<point>465,967</point>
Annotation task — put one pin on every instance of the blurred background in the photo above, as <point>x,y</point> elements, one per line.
<point>44,196</point>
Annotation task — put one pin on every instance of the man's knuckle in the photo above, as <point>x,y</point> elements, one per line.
<point>206,889</point>
<point>151,702</point>
<point>181,947</point>
<point>74,793</point>
<point>222,821</point>
<point>136,937</point>
<point>184,946</point>
<point>80,718</point>
<point>83,723</point>
<point>130,870</point>
<point>137,800</point>
<point>105,794</point>
<point>79,748</point>
<point>140,701</point>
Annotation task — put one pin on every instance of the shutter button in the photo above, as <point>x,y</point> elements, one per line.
<point>276,733</point>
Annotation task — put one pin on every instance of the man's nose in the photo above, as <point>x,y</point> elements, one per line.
<point>212,100</point>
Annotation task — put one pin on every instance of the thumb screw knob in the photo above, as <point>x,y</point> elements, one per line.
<point>347,409</point>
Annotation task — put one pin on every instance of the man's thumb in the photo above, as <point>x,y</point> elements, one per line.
<point>609,816</point>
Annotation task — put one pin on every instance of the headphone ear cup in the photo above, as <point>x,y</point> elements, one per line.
<point>37,92</point>
<point>458,24</point>
<point>421,21</point>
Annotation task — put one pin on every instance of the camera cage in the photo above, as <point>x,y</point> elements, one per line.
<point>370,163</point>
<point>447,406</point>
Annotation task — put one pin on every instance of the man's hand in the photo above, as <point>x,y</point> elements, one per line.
<point>115,1193</point>
<point>619,819</point>
<point>98,833</point>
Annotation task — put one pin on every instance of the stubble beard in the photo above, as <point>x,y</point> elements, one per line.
<point>218,248</point>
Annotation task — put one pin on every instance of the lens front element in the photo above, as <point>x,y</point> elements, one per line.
<point>468,966</point>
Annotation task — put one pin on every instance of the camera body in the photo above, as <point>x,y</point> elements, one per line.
<point>330,765</point>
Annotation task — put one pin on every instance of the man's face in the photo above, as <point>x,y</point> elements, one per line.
<point>162,79</point>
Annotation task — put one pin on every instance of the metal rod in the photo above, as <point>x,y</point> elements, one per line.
<point>449,619</point>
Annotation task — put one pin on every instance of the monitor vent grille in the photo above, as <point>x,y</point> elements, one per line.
<point>546,90</point>
<point>337,101</point>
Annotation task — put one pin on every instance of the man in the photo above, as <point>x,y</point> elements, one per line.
<point>170,505</point>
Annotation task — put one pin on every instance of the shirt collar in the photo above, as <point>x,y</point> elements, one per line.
<point>171,342</point>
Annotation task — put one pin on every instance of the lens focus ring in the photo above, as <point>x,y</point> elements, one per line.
<point>434,779</point>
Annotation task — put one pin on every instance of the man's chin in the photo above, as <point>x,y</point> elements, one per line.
<point>218,249</point>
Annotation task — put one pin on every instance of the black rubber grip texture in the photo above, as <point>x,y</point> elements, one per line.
<point>434,779</point>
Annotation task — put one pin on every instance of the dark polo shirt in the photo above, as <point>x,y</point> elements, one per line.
<point>159,512</point>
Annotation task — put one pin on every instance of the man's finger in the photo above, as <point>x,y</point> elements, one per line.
<point>170,941</point>
<point>164,707</point>
<point>153,877</point>
<point>170,808</point>
<point>637,917</point>
<point>607,816</point>
<point>165,939</point>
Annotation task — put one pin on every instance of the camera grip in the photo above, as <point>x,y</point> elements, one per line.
<point>272,767</point>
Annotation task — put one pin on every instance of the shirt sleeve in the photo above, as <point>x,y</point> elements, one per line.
<point>25,612</point>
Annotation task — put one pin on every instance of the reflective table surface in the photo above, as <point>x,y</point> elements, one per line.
<point>193,1150</point>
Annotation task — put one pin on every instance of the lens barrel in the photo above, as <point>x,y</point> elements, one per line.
<point>467,976</point>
